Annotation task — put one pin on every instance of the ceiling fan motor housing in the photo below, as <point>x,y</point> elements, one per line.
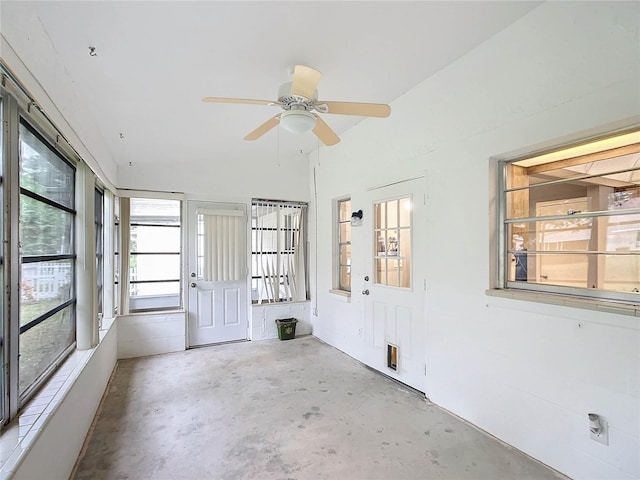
<point>288,100</point>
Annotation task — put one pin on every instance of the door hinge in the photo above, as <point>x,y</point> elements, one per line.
<point>425,284</point>
<point>425,369</point>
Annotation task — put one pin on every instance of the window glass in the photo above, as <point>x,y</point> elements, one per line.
<point>44,286</point>
<point>154,262</point>
<point>42,344</point>
<point>573,224</point>
<point>99,215</point>
<point>344,245</point>
<point>43,172</point>
<point>155,267</point>
<point>44,229</point>
<point>155,238</point>
<point>47,308</point>
<point>392,239</point>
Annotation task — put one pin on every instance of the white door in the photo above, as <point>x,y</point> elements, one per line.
<point>217,276</point>
<point>394,291</point>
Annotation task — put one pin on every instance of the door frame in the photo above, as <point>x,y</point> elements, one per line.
<point>191,252</point>
<point>418,267</point>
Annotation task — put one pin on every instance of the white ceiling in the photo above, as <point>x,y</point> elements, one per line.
<point>156,60</point>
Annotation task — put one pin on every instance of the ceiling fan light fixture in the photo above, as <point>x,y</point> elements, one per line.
<point>297,121</point>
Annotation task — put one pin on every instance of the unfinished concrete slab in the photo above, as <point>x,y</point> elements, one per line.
<point>296,409</point>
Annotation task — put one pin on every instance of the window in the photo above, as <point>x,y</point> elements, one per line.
<point>344,244</point>
<point>571,220</point>
<point>278,256</point>
<point>47,287</point>
<point>39,274</point>
<point>154,254</point>
<point>98,216</point>
<point>392,231</point>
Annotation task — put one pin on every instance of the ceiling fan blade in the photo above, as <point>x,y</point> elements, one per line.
<point>238,100</point>
<point>305,81</point>
<point>264,128</point>
<point>324,132</point>
<point>353,108</point>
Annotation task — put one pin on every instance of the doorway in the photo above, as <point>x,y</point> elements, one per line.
<point>217,273</point>
<point>394,290</point>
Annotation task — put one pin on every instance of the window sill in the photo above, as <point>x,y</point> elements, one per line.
<point>141,313</point>
<point>341,295</point>
<point>275,304</point>
<point>632,310</point>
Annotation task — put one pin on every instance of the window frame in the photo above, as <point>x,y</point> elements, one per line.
<point>284,246</point>
<point>20,109</point>
<point>339,244</point>
<point>377,256</point>
<point>503,250</point>
<point>126,230</point>
<point>4,374</point>
<point>70,303</point>
<point>99,209</point>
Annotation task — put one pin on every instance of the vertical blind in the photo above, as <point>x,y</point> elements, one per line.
<point>223,247</point>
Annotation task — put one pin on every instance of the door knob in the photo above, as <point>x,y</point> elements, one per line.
<point>365,292</point>
<point>193,285</point>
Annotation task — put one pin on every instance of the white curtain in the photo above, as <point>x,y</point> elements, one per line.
<point>223,246</point>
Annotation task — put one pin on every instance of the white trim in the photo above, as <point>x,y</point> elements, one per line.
<point>126,193</point>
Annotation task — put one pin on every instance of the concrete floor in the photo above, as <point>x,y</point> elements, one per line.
<point>296,409</point>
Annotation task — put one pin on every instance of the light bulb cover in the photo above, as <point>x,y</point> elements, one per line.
<point>297,121</point>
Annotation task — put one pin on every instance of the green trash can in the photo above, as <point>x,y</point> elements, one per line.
<point>286,328</point>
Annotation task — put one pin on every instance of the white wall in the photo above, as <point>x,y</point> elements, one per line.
<point>145,334</point>
<point>263,319</point>
<point>220,180</point>
<point>525,372</point>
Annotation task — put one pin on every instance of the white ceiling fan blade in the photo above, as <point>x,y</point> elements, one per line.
<point>305,81</point>
<point>264,128</point>
<point>380,110</point>
<point>238,100</point>
<point>324,132</point>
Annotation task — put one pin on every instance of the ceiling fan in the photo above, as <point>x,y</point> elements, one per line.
<point>299,100</point>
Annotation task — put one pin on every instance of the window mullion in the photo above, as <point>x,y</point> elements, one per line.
<point>599,213</point>
<point>11,196</point>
